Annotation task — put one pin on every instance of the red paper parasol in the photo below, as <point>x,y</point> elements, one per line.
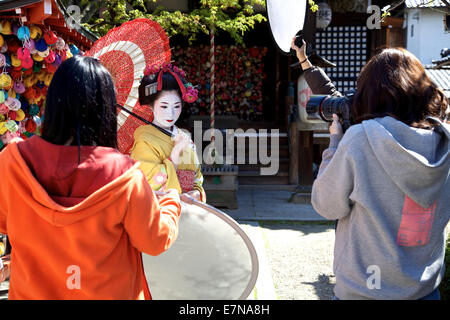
<point>125,51</point>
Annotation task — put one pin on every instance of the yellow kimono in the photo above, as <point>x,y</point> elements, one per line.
<point>152,148</point>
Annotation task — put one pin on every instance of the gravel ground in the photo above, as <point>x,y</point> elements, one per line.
<point>301,259</point>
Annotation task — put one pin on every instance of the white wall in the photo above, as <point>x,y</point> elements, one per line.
<point>426,34</point>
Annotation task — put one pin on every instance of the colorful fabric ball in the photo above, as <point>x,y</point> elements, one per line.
<point>27,64</point>
<point>20,115</point>
<point>13,44</point>
<point>23,54</point>
<point>3,108</point>
<point>60,44</point>
<point>4,48</point>
<point>5,81</point>
<point>41,45</point>
<point>5,27</point>
<point>30,126</point>
<point>37,120</point>
<point>48,78</point>
<point>51,68</point>
<point>13,103</point>
<point>44,54</point>
<point>23,33</point>
<point>58,60</point>
<point>34,110</point>
<point>50,58</point>
<point>11,93</point>
<point>9,136</point>
<point>37,66</point>
<point>37,57</point>
<point>15,61</point>
<point>31,45</point>
<point>3,128</point>
<point>12,115</point>
<point>74,49</point>
<point>50,38</point>
<point>12,126</point>
<point>35,32</point>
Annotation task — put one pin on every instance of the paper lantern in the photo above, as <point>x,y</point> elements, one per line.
<point>324,15</point>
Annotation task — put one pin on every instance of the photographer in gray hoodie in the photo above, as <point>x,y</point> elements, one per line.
<point>387,180</point>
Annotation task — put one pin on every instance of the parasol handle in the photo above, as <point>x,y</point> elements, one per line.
<point>145,121</point>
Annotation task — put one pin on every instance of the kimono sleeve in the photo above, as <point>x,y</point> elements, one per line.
<point>159,170</point>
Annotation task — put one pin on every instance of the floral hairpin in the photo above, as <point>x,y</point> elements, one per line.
<point>189,93</point>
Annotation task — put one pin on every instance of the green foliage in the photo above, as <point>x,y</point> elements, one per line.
<point>312,4</point>
<point>234,17</point>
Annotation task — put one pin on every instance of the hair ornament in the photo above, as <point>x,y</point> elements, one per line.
<point>188,91</point>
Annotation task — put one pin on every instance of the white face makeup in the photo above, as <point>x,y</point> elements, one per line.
<point>167,109</point>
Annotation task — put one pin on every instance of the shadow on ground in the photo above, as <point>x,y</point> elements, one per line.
<point>323,287</point>
<point>305,227</point>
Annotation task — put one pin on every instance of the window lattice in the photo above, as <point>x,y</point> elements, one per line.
<point>346,46</point>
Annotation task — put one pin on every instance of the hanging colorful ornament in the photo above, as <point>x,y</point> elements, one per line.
<point>23,54</point>
<point>44,54</point>
<point>37,120</point>
<point>31,45</point>
<point>3,128</point>
<point>30,125</point>
<point>5,27</point>
<point>12,103</point>
<point>34,110</point>
<point>4,48</point>
<point>60,44</point>
<point>35,32</point>
<point>23,33</point>
<point>50,38</point>
<point>51,57</point>
<point>41,45</point>
<point>74,49</point>
<point>5,81</point>
<point>37,57</point>
<point>15,61</point>
<point>12,126</point>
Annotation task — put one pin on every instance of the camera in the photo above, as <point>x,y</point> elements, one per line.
<point>322,107</point>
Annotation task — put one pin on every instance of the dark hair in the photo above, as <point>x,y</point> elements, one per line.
<point>168,83</point>
<point>394,83</point>
<point>81,104</point>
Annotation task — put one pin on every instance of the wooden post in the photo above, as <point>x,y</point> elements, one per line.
<point>293,135</point>
<point>294,153</point>
<point>306,158</point>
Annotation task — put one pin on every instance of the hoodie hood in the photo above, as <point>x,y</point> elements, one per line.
<point>417,160</point>
<point>67,202</point>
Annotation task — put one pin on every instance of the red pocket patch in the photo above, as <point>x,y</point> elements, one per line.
<point>416,224</point>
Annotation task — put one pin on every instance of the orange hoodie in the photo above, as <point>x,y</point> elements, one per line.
<point>77,229</point>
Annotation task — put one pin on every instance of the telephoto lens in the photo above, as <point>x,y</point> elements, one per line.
<point>322,107</point>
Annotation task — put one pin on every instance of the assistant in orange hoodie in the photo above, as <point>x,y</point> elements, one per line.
<point>77,227</point>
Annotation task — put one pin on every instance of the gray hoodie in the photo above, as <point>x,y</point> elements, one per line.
<point>388,184</point>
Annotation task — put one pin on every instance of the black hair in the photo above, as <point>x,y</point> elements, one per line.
<point>168,83</point>
<point>81,104</point>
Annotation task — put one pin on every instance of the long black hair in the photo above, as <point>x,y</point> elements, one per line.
<point>81,105</point>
